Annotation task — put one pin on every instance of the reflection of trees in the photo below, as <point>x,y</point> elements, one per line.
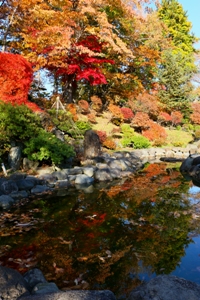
<point>105,235</point>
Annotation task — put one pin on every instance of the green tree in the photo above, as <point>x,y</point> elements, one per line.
<point>175,84</point>
<point>173,15</point>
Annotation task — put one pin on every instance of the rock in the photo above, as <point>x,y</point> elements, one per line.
<point>89,171</point>
<point>166,287</point>
<point>59,134</point>
<point>29,164</point>
<point>25,184</point>
<point>14,157</point>
<point>9,186</point>
<point>6,201</point>
<point>83,179</point>
<point>74,295</point>
<point>63,183</point>
<point>12,284</point>
<point>17,176</point>
<point>186,164</point>
<point>103,174</point>
<point>44,288</point>
<point>92,144</point>
<point>39,189</point>
<point>33,277</point>
<point>19,195</point>
<point>50,178</point>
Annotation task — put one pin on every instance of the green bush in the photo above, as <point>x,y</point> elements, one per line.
<point>63,121</point>
<point>83,126</point>
<point>136,141</point>
<point>46,146</point>
<point>127,130</point>
<point>18,123</point>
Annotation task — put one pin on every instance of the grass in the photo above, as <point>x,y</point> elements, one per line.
<point>178,138</point>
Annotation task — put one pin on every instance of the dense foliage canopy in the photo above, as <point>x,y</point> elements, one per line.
<point>133,59</point>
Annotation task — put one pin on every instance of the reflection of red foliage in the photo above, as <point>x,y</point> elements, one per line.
<point>154,170</point>
<point>93,221</point>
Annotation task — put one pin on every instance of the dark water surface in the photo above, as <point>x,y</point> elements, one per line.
<point>110,236</point>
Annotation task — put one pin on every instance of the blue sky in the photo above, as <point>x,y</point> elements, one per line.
<point>192,7</point>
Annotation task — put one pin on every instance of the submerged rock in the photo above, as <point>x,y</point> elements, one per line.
<point>166,287</point>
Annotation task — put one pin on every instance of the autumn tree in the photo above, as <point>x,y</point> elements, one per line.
<point>16,75</point>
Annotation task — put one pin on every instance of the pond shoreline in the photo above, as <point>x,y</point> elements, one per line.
<point>105,168</point>
<point>48,290</point>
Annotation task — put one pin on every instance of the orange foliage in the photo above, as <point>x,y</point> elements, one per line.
<point>141,120</point>
<point>145,103</point>
<point>155,133</point>
<point>96,103</point>
<point>154,170</point>
<point>195,116</point>
<point>72,109</point>
<point>84,106</point>
<point>16,75</point>
<point>92,118</point>
<point>109,143</point>
<point>116,111</point>
<point>177,117</point>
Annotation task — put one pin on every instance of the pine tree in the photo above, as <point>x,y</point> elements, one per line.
<point>173,15</point>
<point>174,79</point>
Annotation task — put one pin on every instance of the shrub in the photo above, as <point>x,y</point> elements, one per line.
<point>116,111</point>
<point>109,143</point>
<point>96,103</point>
<point>102,135</point>
<point>127,113</point>
<point>84,106</point>
<point>92,118</point>
<point>18,122</point>
<point>195,116</point>
<point>136,141</point>
<point>127,130</point>
<point>140,142</point>
<point>164,118</point>
<point>145,103</point>
<point>197,134</point>
<point>176,117</point>
<point>45,146</point>
<point>141,121</point>
<point>72,109</point>
<point>155,133</point>
<point>83,126</point>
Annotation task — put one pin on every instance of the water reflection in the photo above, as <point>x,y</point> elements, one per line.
<point>106,238</point>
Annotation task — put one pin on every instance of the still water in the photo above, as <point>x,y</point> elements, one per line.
<point>109,236</point>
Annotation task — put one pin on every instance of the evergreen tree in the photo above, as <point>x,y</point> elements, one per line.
<point>173,15</point>
<point>178,65</point>
<point>174,79</point>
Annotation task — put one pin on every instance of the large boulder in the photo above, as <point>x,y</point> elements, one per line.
<point>92,144</point>
<point>14,157</point>
<point>166,287</point>
<point>12,284</point>
<point>189,163</point>
<point>74,295</point>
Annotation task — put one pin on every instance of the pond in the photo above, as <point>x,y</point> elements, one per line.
<point>109,236</point>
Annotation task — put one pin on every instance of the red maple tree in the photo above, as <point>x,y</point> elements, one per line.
<point>16,75</point>
<point>81,65</point>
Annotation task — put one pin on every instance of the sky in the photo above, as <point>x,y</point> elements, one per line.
<point>192,7</point>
